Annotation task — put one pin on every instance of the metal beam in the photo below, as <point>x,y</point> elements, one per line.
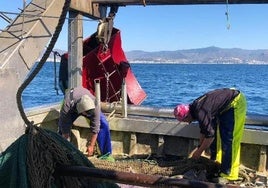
<point>175,2</point>
<point>86,8</point>
<point>75,48</point>
<point>92,8</point>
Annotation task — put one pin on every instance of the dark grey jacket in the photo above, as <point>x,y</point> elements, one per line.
<point>68,112</point>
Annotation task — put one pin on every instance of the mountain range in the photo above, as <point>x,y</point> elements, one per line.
<point>213,55</point>
<point>209,55</point>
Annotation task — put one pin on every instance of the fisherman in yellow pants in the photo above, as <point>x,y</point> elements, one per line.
<point>221,115</point>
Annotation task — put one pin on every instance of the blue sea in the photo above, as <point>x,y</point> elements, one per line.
<point>169,84</point>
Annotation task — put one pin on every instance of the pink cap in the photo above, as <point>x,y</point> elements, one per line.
<point>181,111</point>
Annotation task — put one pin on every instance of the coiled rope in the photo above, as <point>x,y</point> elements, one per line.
<point>41,63</point>
<point>43,151</point>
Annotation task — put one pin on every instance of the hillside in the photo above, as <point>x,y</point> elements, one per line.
<point>209,55</point>
<point>213,55</point>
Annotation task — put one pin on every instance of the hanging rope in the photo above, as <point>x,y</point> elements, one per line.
<point>43,152</point>
<point>40,171</point>
<point>227,15</point>
<point>47,150</point>
<point>55,54</point>
<point>41,63</point>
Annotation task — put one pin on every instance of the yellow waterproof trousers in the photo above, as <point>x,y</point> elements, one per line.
<point>229,134</point>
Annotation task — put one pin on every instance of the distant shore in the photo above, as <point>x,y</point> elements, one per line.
<point>209,55</point>
<point>174,62</point>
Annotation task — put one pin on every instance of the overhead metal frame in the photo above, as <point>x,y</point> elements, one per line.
<point>93,8</point>
<point>175,2</point>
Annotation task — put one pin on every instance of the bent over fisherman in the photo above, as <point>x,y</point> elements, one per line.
<point>79,101</point>
<point>221,116</point>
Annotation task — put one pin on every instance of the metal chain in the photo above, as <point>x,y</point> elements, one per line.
<point>107,76</point>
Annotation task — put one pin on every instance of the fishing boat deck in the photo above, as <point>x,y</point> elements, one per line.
<point>140,131</point>
<point>159,146</point>
<point>202,169</point>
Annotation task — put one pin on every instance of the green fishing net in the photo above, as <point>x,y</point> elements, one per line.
<point>31,161</point>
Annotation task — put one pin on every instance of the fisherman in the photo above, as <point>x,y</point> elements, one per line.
<point>221,114</point>
<point>79,101</point>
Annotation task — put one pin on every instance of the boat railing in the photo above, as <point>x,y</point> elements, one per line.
<point>256,127</point>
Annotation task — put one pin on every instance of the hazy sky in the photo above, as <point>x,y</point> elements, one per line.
<point>155,28</point>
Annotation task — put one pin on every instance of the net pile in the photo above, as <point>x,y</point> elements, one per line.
<point>32,159</point>
<point>158,166</point>
<point>202,169</point>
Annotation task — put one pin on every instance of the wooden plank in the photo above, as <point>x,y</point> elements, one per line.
<point>85,7</point>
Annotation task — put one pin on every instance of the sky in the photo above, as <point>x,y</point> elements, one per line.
<point>177,27</point>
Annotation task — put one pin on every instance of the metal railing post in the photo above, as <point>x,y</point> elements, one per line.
<point>124,98</point>
<point>97,93</point>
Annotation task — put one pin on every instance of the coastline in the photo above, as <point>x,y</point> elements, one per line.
<point>179,62</point>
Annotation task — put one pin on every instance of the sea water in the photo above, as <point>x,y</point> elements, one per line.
<point>169,84</point>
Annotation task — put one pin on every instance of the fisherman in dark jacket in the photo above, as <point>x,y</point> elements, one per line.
<point>221,115</point>
<point>79,101</point>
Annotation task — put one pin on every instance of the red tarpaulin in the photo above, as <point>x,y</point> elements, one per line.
<point>110,66</point>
